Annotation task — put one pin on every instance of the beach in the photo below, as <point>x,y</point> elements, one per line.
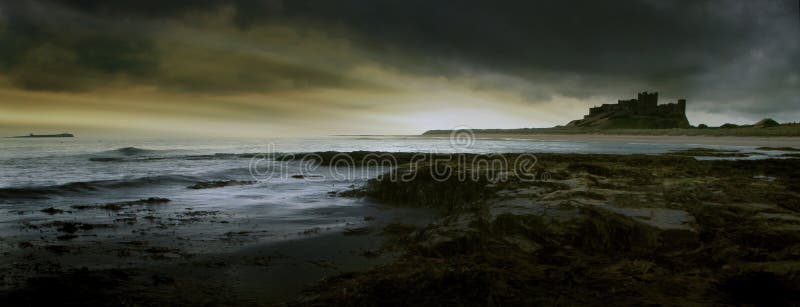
<point>399,153</point>
<point>197,225</point>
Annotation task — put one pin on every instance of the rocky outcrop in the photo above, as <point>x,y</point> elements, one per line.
<point>624,230</point>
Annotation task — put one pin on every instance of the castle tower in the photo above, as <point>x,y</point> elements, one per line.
<point>647,102</point>
<point>682,106</point>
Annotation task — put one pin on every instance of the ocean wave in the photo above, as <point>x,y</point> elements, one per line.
<point>44,191</point>
<point>236,173</point>
<point>149,180</point>
<point>125,154</point>
<point>218,156</point>
<point>133,154</point>
<point>130,151</point>
<point>40,192</point>
<point>120,159</point>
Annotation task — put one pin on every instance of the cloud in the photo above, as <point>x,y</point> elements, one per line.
<point>43,47</point>
<point>80,46</point>
<point>583,48</point>
<point>736,56</point>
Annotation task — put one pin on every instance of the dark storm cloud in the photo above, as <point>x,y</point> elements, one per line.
<point>580,36</point>
<point>661,44</point>
<point>80,45</point>
<point>730,56</point>
<point>741,54</point>
<point>247,11</point>
<point>53,49</point>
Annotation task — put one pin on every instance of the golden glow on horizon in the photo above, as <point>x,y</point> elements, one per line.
<point>291,113</point>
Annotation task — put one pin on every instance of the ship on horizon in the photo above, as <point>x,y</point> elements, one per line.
<point>59,135</point>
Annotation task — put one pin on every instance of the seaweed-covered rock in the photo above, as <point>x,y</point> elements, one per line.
<point>624,230</point>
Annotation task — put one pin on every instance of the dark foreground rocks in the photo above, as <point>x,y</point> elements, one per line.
<point>597,230</point>
<point>116,287</point>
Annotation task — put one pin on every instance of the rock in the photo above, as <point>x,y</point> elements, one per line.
<point>52,211</point>
<point>305,176</point>
<point>219,184</point>
<point>123,204</point>
<point>57,249</point>
<point>66,237</point>
<point>68,227</point>
<point>360,231</point>
<point>371,253</point>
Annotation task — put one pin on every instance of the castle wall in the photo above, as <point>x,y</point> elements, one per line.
<point>673,108</point>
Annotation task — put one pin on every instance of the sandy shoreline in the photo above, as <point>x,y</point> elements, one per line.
<point>654,139</point>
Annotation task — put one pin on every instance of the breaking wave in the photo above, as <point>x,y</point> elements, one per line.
<point>134,154</point>
<point>130,151</point>
<point>89,186</point>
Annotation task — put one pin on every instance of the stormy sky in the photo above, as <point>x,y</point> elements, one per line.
<point>318,67</point>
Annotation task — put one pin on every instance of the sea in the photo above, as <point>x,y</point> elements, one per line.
<point>69,175</point>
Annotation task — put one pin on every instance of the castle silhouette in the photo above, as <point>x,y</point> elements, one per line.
<point>643,112</point>
<point>644,104</point>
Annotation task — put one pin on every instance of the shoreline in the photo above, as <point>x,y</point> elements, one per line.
<point>626,229</point>
<point>767,141</point>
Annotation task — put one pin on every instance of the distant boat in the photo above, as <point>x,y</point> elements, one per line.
<point>60,135</point>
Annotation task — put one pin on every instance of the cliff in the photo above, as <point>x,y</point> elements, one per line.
<point>644,112</point>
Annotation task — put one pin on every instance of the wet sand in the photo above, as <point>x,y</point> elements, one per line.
<point>157,268</point>
<point>654,139</point>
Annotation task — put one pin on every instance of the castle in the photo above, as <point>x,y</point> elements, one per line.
<point>644,112</point>
<point>645,103</point>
